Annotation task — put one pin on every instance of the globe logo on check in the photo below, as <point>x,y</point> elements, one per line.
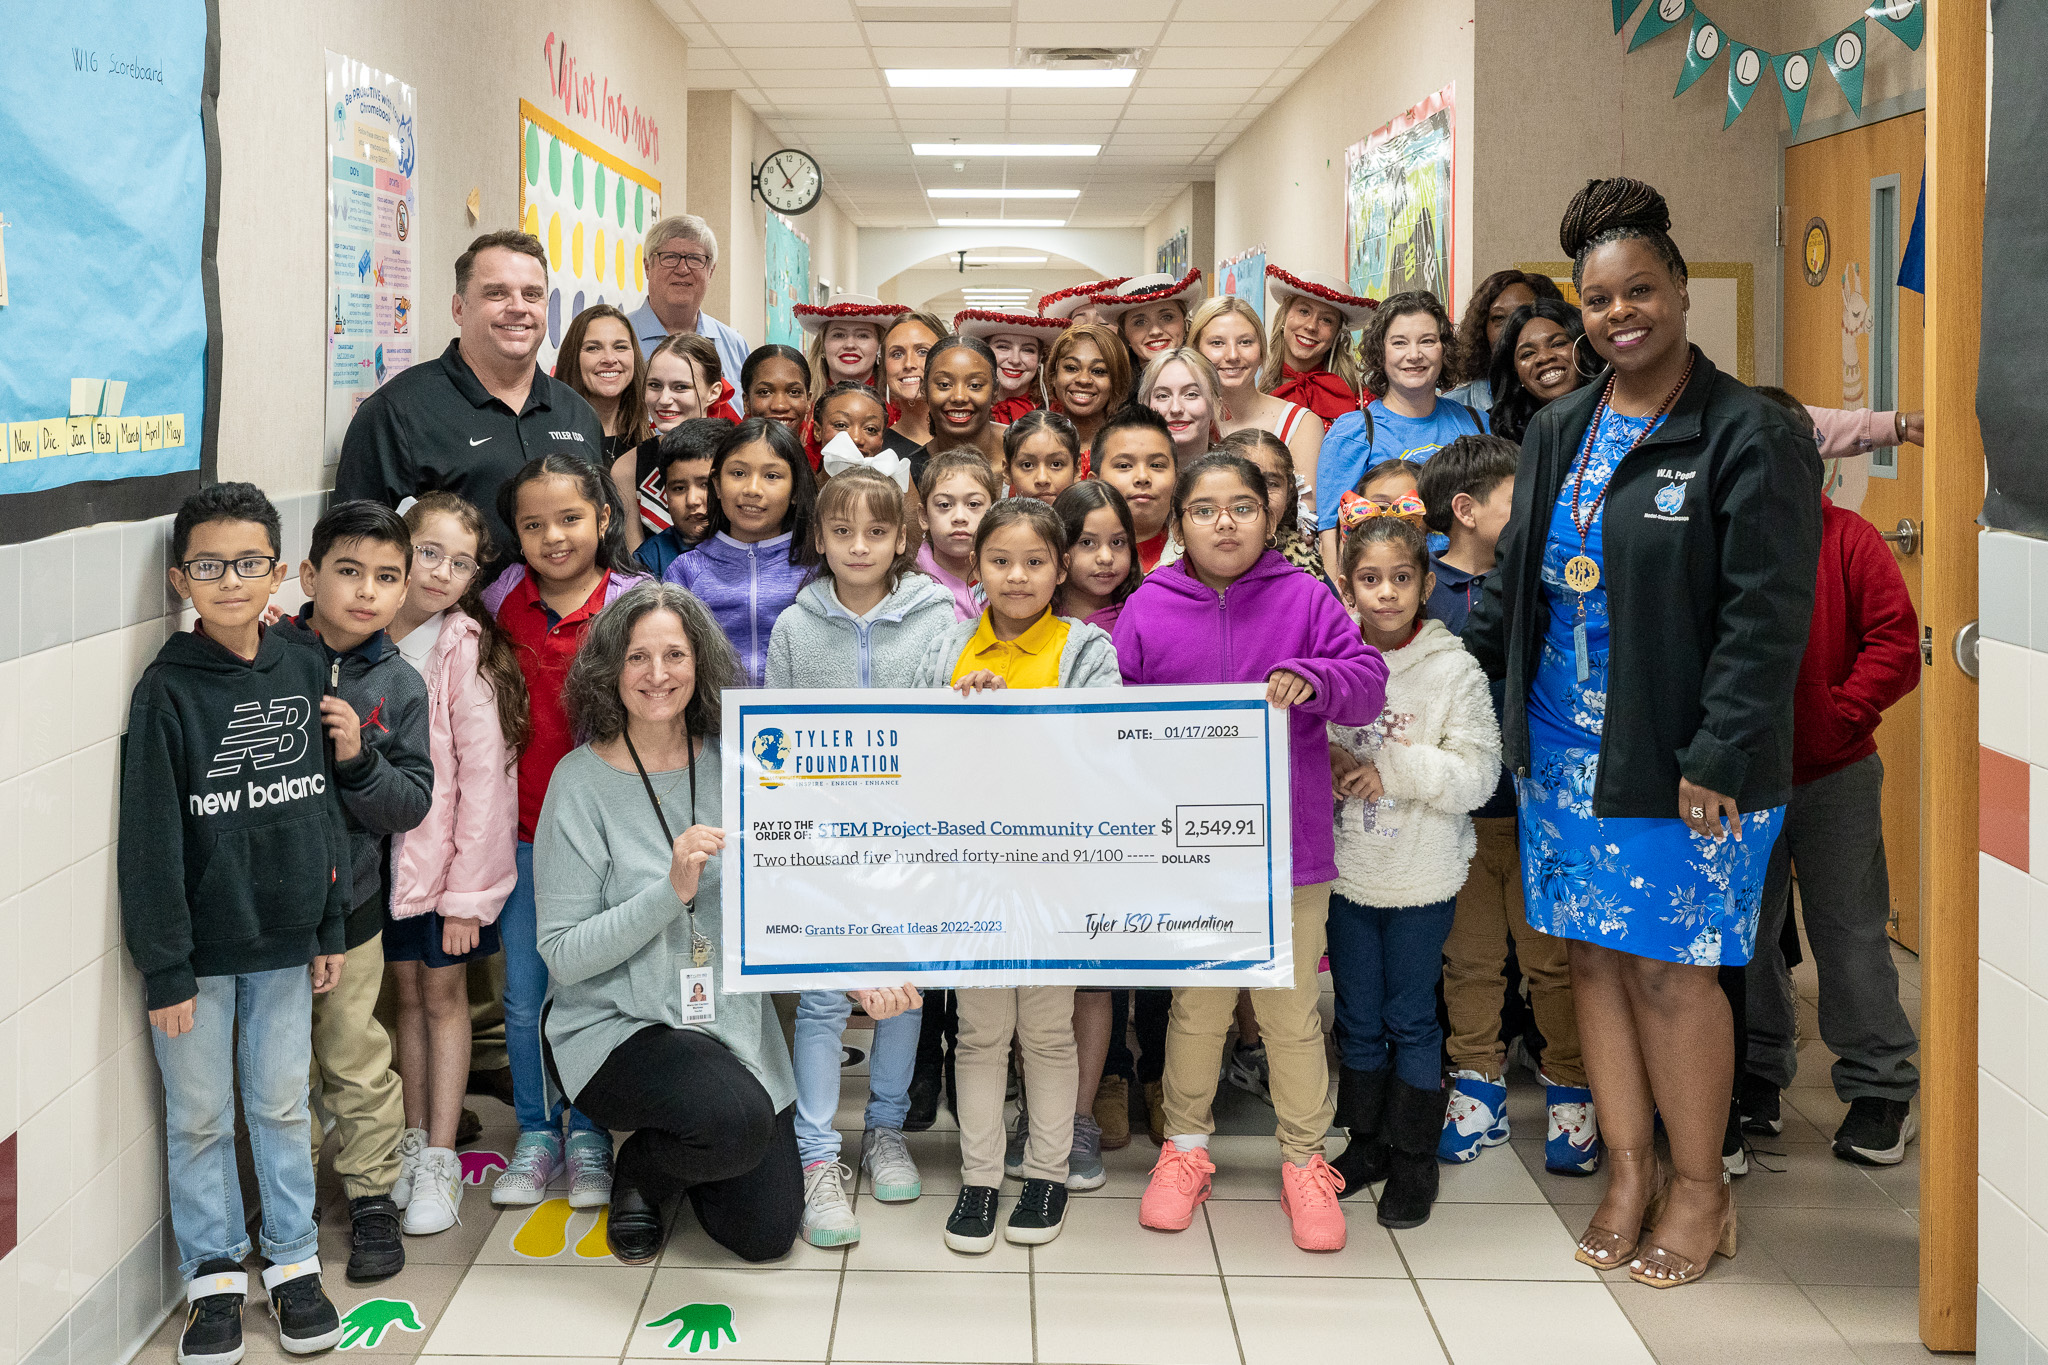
<point>771,751</point>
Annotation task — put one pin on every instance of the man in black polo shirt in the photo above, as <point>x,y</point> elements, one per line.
<point>466,421</point>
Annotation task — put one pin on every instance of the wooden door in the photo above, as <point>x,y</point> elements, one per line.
<point>1853,340</point>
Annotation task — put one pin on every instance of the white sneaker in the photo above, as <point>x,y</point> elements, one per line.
<point>411,1144</point>
<point>892,1173</point>
<point>436,1194</point>
<point>589,1159</point>
<point>536,1160</point>
<point>828,1218</point>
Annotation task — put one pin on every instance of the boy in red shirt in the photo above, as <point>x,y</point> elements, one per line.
<point>1862,655</point>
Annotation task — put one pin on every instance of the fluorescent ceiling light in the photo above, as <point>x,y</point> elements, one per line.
<point>1006,260</point>
<point>1005,148</point>
<point>1002,194</point>
<point>1002,222</point>
<point>1008,78</point>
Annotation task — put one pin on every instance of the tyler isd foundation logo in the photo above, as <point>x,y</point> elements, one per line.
<point>771,751</point>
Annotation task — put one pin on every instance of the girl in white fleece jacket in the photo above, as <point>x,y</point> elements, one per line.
<point>1405,787</point>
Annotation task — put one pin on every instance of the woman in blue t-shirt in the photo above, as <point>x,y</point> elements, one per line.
<point>1403,357</point>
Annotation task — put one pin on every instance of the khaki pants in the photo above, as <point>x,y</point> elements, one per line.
<point>352,1079</point>
<point>1489,911</point>
<point>1291,1027</point>
<point>1042,1017</point>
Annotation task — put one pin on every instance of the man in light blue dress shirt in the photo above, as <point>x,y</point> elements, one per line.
<point>681,257</point>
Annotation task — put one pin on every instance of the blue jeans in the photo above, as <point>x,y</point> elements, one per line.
<point>526,990</point>
<point>1385,964</point>
<point>820,1023</point>
<point>274,1055</point>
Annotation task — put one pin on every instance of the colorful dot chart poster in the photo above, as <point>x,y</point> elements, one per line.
<point>591,210</point>
<point>373,255</point>
<point>109,307</point>
<point>1244,277</point>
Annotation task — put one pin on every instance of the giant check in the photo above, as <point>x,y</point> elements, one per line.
<point>1103,836</point>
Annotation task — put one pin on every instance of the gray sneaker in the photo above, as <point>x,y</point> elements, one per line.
<point>828,1219</point>
<point>536,1160</point>
<point>892,1175</point>
<point>1084,1162</point>
<point>589,1159</point>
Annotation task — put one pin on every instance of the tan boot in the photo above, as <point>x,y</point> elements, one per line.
<point>1113,1112</point>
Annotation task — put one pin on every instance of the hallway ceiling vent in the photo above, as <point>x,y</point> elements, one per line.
<point>1079,58</point>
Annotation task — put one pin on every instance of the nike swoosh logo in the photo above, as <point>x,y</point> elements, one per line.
<point>480,442</point>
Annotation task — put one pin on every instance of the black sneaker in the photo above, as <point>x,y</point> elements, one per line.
<point>376,1251</point>
<point>1760,1112</point>
<point>926,1080</point>
<point>1040,1211</point>
<point>1875,1132</point>
<point>306,1320</point>
<point>972,1228</point>
<point>213,1315</point>
<point>1734,1146</point>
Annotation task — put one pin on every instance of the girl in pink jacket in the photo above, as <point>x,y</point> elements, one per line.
<point>449,876</point>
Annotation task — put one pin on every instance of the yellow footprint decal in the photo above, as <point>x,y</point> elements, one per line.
<point>592,1247</point>
<point>546,1231</point>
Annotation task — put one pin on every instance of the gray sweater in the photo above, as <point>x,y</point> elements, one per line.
<point>818,643</point>
<point>613,934</point>
<point>1088,660</point>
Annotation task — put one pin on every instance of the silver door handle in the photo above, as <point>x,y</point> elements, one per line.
<point>1907,537</point>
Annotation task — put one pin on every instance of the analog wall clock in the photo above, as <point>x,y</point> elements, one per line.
<point>789,181</point>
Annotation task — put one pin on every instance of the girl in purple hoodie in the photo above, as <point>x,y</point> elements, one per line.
<point>762,548</point>
<point>1234,610</point>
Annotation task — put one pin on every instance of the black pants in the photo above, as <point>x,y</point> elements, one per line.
<point>702,1125</point>
<point>1150,1025</point>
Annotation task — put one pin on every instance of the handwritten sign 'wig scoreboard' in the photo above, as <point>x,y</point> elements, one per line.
<point>1088,837</point>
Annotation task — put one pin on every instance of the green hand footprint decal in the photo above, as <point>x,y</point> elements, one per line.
<point>365,1324</point>
<point>702,1323</point>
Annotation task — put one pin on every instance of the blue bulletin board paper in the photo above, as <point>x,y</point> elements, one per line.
<point>107,192</point>
<point>788,257</point>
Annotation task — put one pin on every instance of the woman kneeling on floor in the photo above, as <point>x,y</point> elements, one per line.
<point>641,1031</point>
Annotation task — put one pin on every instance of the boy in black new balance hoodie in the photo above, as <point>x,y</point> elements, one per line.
<point>233,867</point>
<point>376,715</point>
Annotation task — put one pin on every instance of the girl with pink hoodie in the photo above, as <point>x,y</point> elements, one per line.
<point>1233,610</point>
<point>451,874</point>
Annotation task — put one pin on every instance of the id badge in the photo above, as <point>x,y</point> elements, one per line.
<point>700,1005</point>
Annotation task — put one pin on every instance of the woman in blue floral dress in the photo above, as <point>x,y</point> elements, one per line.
<point>1654,591</point>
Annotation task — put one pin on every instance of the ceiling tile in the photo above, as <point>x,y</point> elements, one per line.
<point>782,59</point>
<point>1237,35</point>
<point>1088,98</point>
<point>928,36</point>
<point>924,57</point>
<point>1173,57</point>
<point>1229,11</point>
<point>1070,34</point>
<point>1089,11</point>
<point>774,11</point>
<point>717,80</point>
<point>826,36</point>
<point>711,59</point>
<point>1192,83</point>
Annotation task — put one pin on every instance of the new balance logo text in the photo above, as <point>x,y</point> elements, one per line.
<point>276,794</point>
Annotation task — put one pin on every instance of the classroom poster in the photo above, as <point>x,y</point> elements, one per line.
<point>788,256</point>
<point>1244,276</point>
<point>591,209</point>
<point>373,255</point>
<point>109,300</point>
<point>1397,204</point>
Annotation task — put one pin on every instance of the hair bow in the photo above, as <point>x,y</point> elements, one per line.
<point>841,454</point>
<point>1354,511</point>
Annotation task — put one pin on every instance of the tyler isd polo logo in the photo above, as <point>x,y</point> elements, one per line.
<point>1670,498</point>
<point>771,751</point>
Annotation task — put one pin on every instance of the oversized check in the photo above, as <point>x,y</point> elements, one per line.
<point>1099,836</point>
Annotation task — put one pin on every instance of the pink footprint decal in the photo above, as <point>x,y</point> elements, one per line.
<point>477,1165</point>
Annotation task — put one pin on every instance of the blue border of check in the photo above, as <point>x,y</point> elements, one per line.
<point>1010,964</point>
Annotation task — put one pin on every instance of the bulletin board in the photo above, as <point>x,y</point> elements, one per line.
<point>1244,276</point>
<point>373,241</point>
<point>787,253</point>
<point>109,297</point>
<point>1398,203</point>
<point>591,209</point>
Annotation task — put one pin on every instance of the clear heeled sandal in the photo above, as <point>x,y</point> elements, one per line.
<point>1662,1268</point>
<point>1606,1249</point>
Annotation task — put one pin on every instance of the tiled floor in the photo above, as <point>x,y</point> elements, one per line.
<point>1826,1273</point>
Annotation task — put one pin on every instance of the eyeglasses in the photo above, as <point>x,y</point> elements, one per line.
<point>680,260</point>
<point>433,556</point>
<point>1201,514</point>
<point>247,567</point>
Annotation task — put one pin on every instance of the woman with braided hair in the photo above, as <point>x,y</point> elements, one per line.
<point>1654,591</point>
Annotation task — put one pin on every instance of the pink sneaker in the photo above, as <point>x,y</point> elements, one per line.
<point>1308,1196</point>
<point>1179,1182</point>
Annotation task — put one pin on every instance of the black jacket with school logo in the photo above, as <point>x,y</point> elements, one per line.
<point>1710,538</point>
<point>233,855</point>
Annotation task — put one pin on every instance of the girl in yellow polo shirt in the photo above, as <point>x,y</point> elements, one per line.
<point>1020,552</point>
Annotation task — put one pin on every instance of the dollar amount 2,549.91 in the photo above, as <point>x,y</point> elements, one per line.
<point>1219,826</point>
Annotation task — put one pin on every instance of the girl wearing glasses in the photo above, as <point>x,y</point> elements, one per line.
<point>451,874</point>
<point>1232,610</point>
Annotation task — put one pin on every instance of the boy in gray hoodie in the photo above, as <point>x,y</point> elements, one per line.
<point>375,716</point>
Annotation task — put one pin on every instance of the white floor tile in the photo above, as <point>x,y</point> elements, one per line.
<point>736,1315</point>
<point>1484,1322</point>
<point>690,1245</point>
<point>1256,1239</point>
<point>1104,1236</point>
<point>908,1316</point>
<point>1284,1321</point>
<point>1726,1323</point>
<point>1179,1320</point>
<point>543,1309</point>
<point>1492,1242</point>
<point>1496,1176</point>
<point>912,1237</point>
